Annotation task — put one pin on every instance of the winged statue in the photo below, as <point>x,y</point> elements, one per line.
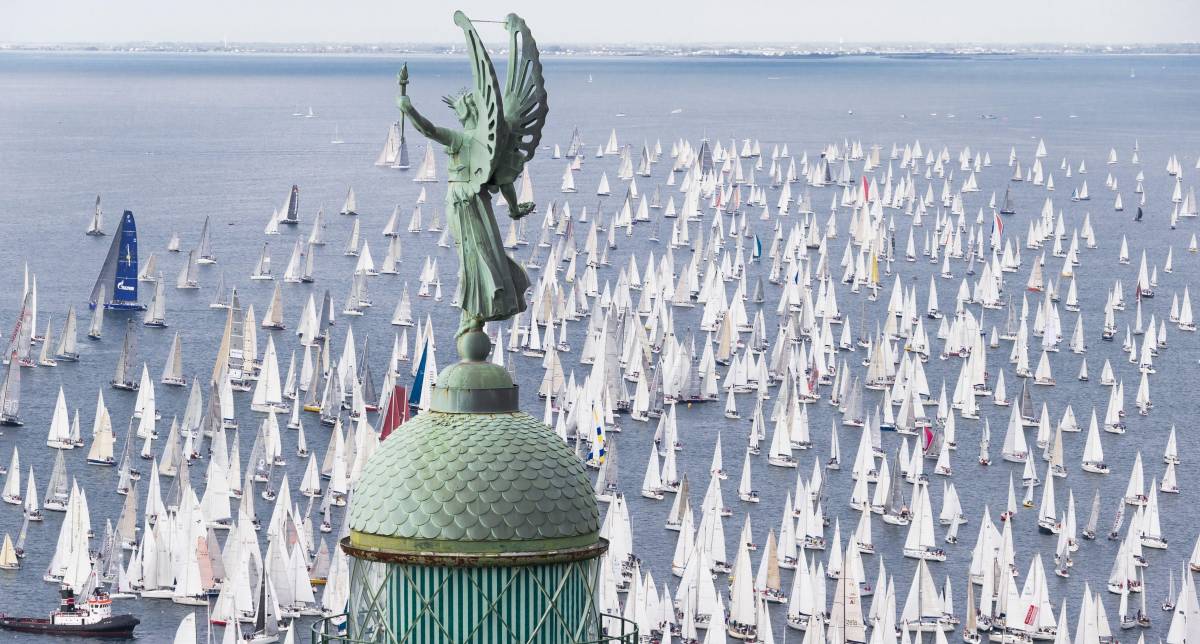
<point>500,134</point>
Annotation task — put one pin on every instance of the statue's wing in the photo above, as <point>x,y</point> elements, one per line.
<point>488,131</point>
<point>525,106</point>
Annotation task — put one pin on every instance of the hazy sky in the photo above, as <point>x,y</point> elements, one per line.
<point>567,21</point>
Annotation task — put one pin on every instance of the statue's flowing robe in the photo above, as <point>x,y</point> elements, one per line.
<point>490,283</point>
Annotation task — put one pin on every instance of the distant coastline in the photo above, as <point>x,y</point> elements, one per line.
<point>742,51</point>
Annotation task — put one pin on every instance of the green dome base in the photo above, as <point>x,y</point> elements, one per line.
<point>457,481</point>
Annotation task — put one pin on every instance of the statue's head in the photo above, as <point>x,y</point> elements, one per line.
<point>463,104</point>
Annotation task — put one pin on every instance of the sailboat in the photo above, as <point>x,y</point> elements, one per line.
<point>96,226</point>
<point>1168,603</point>
<point>173,371</point>
<point>427,172</point>
<point>262,269</point>
<point>387,155</point>
<point>45,358</point>
<point>845,622</point>
<point>731,411</point>
<point>1150,532</point>
<point>746,492</point>
<point>920,542</point>
<point>188,275</point>
<point>350,206</point>
<point>742,620</point>
<point>266,621</point>
<point>120,270</point>
<point>780,454</point>
<point>156,313</point>
<point>1007,207</point>
<point>1015,448</point>
<point>273,317</point>
<point>923,610</point>
<point>12,481</point>
<point>20,344</point>
<point>101,452</point>
<point>60,425</point>
<point>67,350</point>
<point>268,394</point>
<point>126,377</point>
<point>970,632</point>
<point>8,555</point>
<point>400,162</point>
<point>10,396</point>
<point>568,181</point>
<point>204,252</point>
<point>652,484</point>
<point>290,212</point>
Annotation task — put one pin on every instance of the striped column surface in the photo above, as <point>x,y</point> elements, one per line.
<point>550,603</point>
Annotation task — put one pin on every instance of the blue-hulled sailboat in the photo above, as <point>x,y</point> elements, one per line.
<point>119,274</point>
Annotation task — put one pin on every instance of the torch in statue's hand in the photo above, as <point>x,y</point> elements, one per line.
<point>402,100</point>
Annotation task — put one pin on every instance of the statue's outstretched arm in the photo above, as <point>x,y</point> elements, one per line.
<point>422,124</point>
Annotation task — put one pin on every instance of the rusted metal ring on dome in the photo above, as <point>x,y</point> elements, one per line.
<point>476,560</point>
<point>474,401</point>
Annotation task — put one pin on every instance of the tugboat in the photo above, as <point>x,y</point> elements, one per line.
<point>94,619</point>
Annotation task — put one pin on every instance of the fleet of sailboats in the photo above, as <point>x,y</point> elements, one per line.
<point>774,285</point>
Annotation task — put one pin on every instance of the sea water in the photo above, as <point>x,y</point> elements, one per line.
<point>179,137</point>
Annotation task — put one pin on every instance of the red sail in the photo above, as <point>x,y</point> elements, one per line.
<point>397,411</point>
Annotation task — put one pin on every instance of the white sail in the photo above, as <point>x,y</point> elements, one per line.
<point>60,425</point>
<point>268,393</point>
<point>96,224</point>
<point>427,171</point>
<point>350,205</point>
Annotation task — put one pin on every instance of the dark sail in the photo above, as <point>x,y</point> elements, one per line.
<point>418,385</point>
<point>119,274</point>
<point>292,213</point>
<point>1007,207</point>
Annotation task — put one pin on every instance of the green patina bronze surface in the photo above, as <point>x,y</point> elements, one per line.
<point>500,134</point>
<point>473,479</point>
<point>474,522</point>
<point>473,483</point>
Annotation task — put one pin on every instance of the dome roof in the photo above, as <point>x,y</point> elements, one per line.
<point>473,483</point>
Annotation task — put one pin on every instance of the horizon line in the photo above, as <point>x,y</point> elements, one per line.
<point>603,43</point>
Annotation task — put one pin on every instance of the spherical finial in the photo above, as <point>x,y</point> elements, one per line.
<point>474,346</point>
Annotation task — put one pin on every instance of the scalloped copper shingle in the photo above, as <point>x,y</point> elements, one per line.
<point>474,477</point>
